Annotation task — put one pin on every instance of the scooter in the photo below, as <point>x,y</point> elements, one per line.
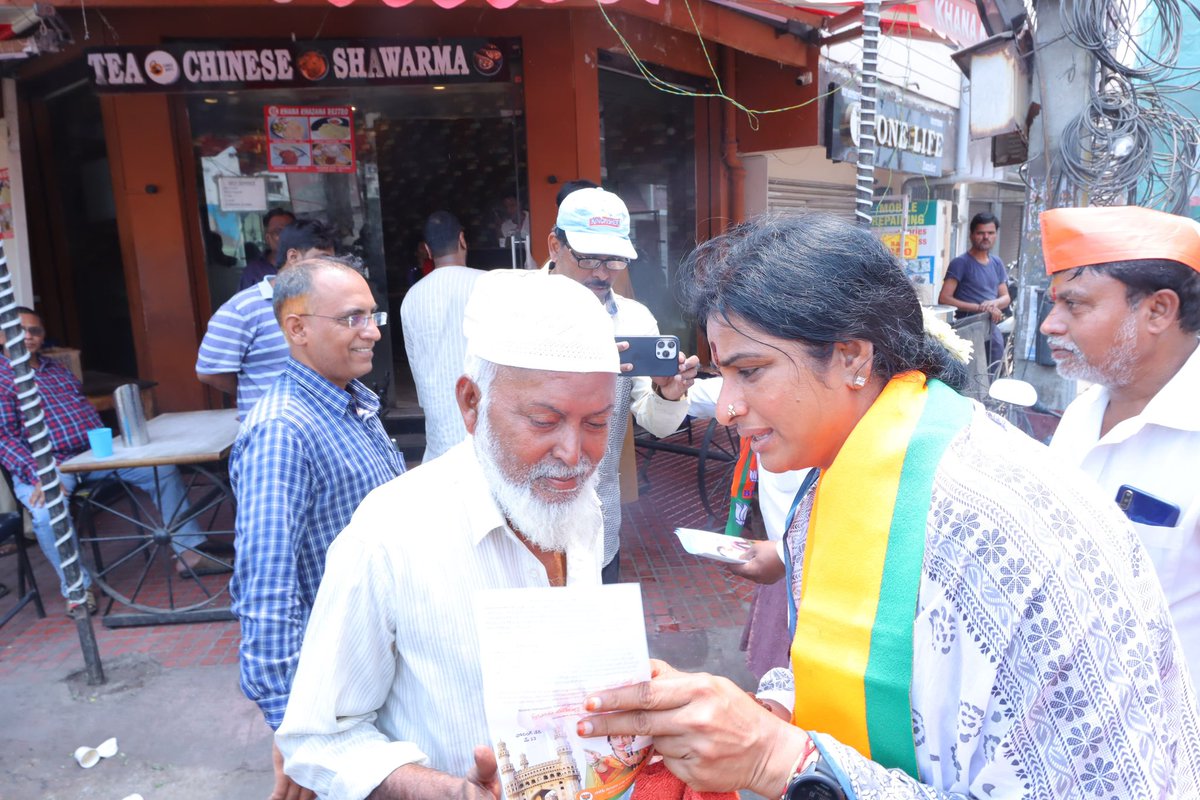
<point>1016,400</point>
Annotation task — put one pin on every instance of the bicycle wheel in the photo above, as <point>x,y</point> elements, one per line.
<point>714,474</point>
<point>130,548</point>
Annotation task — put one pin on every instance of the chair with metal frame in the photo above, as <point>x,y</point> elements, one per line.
<point>12,527</point>
<point>83,490</point>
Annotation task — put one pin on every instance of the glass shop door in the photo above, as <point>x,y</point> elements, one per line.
<point>372,163</point>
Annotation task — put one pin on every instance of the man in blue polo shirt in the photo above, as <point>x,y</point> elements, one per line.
<point>308,452</point>
<point>243,350</point>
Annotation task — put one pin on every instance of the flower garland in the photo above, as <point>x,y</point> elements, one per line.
<point>959,347</point>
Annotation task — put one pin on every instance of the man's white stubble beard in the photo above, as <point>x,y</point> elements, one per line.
<point>1117,367</point>
<point>552,526</point>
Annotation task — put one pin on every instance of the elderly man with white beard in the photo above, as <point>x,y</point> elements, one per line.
<point>388,699</point>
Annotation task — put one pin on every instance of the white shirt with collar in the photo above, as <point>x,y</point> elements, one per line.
<point>389,673</point>
<point>1158,452</point>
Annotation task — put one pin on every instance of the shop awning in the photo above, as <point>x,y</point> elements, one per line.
<point>955,21</point>
<point>456,3</point>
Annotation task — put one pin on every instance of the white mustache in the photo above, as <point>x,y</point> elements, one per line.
<point>562,472</point>
<point>1063,344</point>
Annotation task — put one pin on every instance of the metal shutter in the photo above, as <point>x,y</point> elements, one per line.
<point>830,198</point>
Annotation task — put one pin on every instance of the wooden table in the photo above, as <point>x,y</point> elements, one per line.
<point>185,437</point>
<point>131,556</point>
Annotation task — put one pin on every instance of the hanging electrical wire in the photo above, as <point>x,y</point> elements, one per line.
<point>1134,142</point>
<point>667,87</point>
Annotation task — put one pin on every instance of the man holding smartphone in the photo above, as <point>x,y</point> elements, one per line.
<point>1126,288</point>
<point>589,244</point>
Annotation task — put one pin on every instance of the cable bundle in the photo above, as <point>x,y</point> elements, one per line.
<point>1134,142</point>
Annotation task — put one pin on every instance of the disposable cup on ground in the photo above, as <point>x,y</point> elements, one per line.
<point>86,757</point>
<point>101,441</point>
<point>107,748</point>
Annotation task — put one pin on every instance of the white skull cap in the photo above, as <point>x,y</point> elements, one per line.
<point>525,318</point>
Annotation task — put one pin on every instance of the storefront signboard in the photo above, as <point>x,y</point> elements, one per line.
<point>919,238</point>
<point>310,138</point>
<point>918,141</point>
<point>957,20</point>
<point>236,193</point>
<point>204,66</point>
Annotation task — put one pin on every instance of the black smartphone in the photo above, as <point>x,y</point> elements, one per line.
<point>651,355</point>
<point>1146,508</point>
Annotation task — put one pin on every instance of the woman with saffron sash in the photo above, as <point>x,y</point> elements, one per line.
<point>971,618</point>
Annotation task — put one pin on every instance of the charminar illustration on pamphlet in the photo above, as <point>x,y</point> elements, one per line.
<point>542,652</point>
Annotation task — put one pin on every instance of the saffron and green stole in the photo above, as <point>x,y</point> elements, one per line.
<point>743,489</point>
<point>853,648</point>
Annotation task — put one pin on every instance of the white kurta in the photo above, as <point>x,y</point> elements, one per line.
<point>432,317</point>
<point>1158,451</point>
<point>389,672</point>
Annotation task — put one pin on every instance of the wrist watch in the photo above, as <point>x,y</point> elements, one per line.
<point>814,782</point>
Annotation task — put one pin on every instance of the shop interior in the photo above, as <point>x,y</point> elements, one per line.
<point>411,150</point>
<point>416,150</point>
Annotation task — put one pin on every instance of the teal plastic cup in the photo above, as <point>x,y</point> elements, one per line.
<point>101,441</point>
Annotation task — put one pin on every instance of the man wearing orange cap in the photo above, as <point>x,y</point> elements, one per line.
<point>1126,288</point>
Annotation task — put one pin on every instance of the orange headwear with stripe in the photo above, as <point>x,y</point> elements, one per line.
<point>1081,237</point>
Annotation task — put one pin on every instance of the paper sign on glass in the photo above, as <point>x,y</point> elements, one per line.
<point>235,193</point>
<point>543,651</point>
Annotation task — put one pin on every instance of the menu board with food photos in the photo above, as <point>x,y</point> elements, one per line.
<point>310,138</point>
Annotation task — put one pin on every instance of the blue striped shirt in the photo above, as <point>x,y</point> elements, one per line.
<point>306,455</point>
<point>244,338</point>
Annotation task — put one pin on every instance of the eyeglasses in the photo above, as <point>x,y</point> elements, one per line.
<point>356,321</point>
<point>34,330</point>
<point>595,262</point>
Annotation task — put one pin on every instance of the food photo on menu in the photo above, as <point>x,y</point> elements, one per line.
<point>290,155</point>
<point>336,128</point>
<point>331,154</point>
<point>293,129</point>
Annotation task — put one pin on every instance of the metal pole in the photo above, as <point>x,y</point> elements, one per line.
<point>1063,75</point>
<point>865,177</point>
<point>39,443</point>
